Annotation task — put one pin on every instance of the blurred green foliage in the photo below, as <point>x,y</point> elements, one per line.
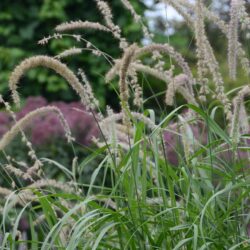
<point>24,23</point>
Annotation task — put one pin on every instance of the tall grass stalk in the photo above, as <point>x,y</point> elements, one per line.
<point>161,180</point>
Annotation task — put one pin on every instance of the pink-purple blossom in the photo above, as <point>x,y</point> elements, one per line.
<point>47,128</point>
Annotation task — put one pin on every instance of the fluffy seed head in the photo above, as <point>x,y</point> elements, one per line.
<point>26,120</point>
<point>69,52</point>
<point>80,25</point>
<point>126,60</point>
<point>47,62</point>
<point>167,50</point>
<point>179,84</point>
<point>238,106</point>
<point>233,38</point>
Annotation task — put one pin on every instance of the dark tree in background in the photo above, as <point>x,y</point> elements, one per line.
<point>23,23</point>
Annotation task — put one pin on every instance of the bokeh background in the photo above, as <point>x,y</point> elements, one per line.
<point>24,23</point>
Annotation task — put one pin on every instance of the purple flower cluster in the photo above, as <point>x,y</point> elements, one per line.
<point>46,128</point>
<point>5,123</point>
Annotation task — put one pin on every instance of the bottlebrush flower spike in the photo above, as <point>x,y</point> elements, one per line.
<point>26,120</point>
<point>47,62</point>
<point>233,38</point>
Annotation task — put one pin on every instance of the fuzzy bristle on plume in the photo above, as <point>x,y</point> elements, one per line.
<point>47,62</point>
<point>73,25</point>
<point>27,119</point>
<point>236,123</point>
<point>233,38</point>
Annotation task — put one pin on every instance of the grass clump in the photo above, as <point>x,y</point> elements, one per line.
<point>178,180</point>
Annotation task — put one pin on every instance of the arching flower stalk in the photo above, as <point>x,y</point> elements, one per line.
<point>136,17</point>
<point>74,25</point>
<point>69,52</point>
<point>18,172</point>
<point>187,138</point>
<point>133,81</point>
<point>108,17</point>
<point>131,9</point>
<point>179,84</point>
<point>123,86</point>
<point>31,153</point>
<point>111,134</point>
<point>134,115</point>
<point>237,114</point>
<point>66,187</point>
<point>201,50</point>
<point>139,67</point>
<point>233,38</point>
<point>166,49</point>
<point>26,120</point>
<point>91,103</point>
<point>47,62</point>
